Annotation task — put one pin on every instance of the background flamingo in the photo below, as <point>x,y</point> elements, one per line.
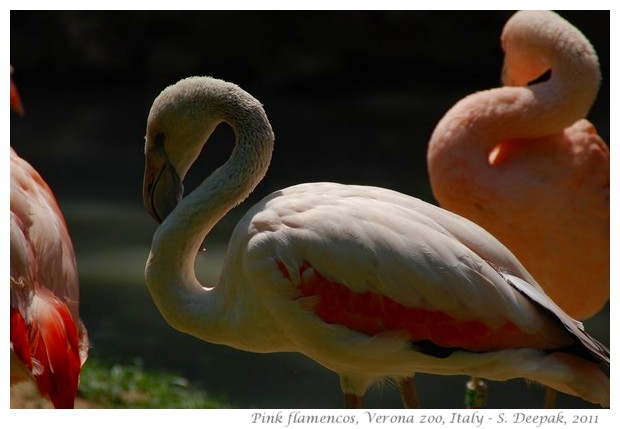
<point>49,343</point>
<point>368,282</point>
<point>522,163</point>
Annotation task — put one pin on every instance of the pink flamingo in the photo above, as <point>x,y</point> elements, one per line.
<point>49,343</point>
<point>368,282</point>
<point>521,162</point>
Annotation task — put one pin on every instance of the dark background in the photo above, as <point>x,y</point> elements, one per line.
<point>352,96</point>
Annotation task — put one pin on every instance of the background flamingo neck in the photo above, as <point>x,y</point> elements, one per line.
<point>183,301</point>
<point>573,87</point>
<point>481,121</point>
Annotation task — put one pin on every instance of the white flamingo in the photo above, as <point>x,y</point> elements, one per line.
<point>366,281</point>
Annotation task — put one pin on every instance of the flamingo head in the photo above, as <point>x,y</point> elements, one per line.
<point>178,126</point>
<point>535,42</point>
<point>163,188</point>
<point>527,43</point>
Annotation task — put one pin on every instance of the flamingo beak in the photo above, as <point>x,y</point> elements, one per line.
<point>162,189</point>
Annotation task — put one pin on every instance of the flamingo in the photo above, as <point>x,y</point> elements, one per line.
<point>49,343</point>
<point>370,283</point>
<point>522,162</point>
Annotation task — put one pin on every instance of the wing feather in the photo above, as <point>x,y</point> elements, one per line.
<point>381,241</point>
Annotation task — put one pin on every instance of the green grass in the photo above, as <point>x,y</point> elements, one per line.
<point>131,386</point>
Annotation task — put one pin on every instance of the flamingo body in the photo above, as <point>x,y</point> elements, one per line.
<point>522,162</point>
<point>368,282</point>
<point>48,341</point>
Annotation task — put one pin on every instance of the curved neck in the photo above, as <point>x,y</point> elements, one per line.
<point>476,124</point>
<point>182,300</point>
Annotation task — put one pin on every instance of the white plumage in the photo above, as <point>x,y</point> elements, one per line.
<point>368,282</point>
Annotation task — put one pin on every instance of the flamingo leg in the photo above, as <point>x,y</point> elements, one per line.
<point>476,393</point>
<point>408,392</point>
<point>550,395</point>
<point>352,400</point>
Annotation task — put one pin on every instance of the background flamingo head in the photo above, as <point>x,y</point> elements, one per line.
<point>528,46</point>
<point>537,41</point>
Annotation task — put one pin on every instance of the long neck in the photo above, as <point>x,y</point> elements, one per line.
<point>476,124</point>
<point>183,301</point>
